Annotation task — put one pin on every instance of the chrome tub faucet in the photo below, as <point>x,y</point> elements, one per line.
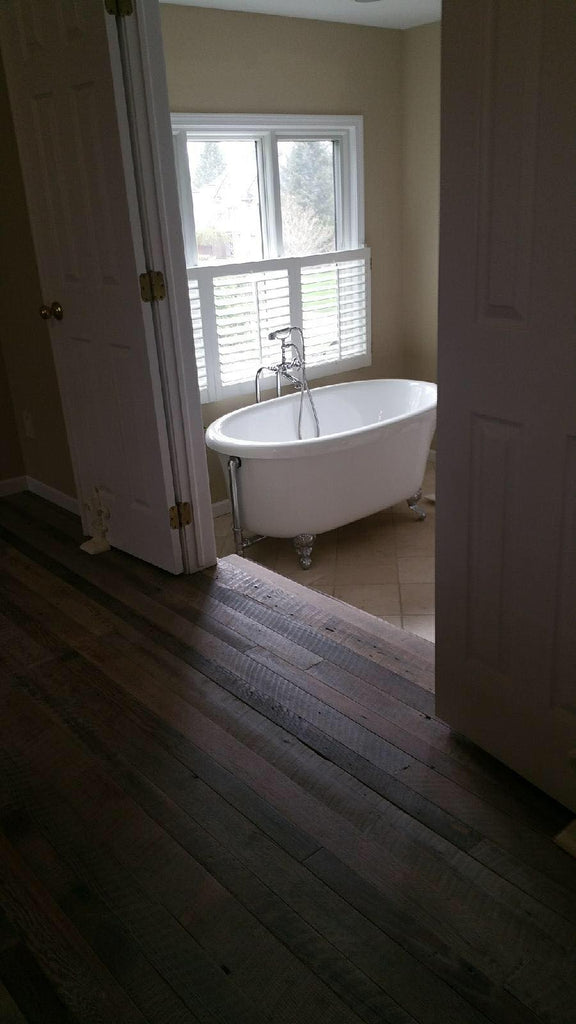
<point>286,364</point>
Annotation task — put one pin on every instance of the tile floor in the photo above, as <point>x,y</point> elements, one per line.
<point>383,564</point>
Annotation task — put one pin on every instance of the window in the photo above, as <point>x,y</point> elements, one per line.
<point>272,216</point>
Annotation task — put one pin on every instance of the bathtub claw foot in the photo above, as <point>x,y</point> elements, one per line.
<point>303,544</point>
<point>414,506</point>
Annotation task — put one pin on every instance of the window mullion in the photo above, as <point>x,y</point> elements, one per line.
<point>272,193</point>
<point>295,287</point>
<point>265,213</point>
<point>208,310</point>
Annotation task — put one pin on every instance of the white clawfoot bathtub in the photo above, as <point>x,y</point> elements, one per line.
<point>374,441</point>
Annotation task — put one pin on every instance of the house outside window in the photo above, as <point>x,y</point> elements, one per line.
<point>273,223</point>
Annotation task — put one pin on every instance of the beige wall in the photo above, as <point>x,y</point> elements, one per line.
<point>24,336</point>
<point>420,198</point>
<point>226,62</point>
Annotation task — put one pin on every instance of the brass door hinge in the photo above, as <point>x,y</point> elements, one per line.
<point>152,286</point>
<point>180,515</point>
<point>119,8</point>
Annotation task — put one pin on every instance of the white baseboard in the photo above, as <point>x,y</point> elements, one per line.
<point>221,508</point>
<point>51,494</point>
<point>27,483</point>
<point>13,486</point>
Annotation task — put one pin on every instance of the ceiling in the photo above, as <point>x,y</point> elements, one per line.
<point>380,13</point>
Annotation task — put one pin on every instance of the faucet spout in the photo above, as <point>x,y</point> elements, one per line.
<point>257,382</point>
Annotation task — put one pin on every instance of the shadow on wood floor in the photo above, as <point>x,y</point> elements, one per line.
<point>224,801</point>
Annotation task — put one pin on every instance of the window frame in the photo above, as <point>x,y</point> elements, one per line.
<point>346,131</point>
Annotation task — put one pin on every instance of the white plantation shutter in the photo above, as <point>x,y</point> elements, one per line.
<point>247,308</point>
<point>334,314</point>
<point>320,313</point>
<point>234,312</point>
<point>352,307</point>
<point>196,316</point>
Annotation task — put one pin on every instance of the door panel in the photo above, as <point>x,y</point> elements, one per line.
<point>81,196</point>
<point>494,450</point>
<point>506,614</point>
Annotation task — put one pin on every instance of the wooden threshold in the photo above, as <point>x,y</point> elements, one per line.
<point>389,637</point>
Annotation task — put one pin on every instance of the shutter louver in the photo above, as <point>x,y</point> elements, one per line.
<point>334,318</point>
<point>247,307</point>
<point>196,316</point>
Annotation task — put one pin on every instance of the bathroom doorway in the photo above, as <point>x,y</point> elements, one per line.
<point>384,564</point>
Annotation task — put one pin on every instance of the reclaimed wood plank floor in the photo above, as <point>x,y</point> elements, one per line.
<point>224,800</point>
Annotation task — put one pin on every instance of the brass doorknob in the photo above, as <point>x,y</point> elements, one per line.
<point>54,310</point>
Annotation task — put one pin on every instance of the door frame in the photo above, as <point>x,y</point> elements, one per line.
<point>137,58</point>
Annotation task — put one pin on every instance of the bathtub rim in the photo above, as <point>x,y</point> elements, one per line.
<point>223,444</point>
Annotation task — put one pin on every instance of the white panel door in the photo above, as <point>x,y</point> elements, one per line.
<point>506,615</point>
<point>63,76</point>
